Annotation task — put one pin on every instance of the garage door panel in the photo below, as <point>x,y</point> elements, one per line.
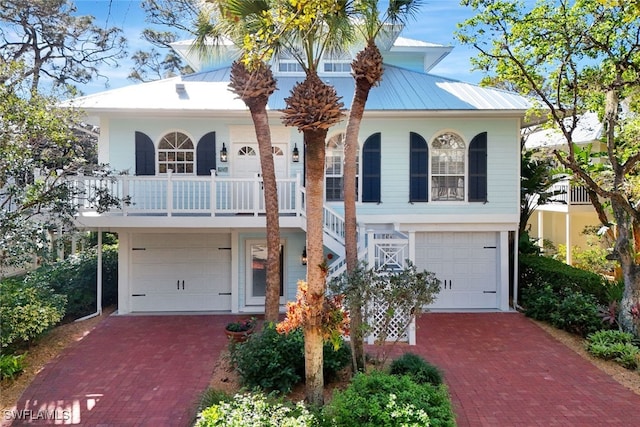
<point>172,272</point>
<point>465,263</point>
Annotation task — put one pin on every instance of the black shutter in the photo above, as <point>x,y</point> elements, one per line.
<point>418,169</point>
<point>478,168</point>
<point>206,154</point>
<point>371,169</point>
<point>145,155</point>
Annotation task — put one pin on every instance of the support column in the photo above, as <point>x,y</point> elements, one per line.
<point>569,259</point>
<point>99,274</point>
<point>540,229</point>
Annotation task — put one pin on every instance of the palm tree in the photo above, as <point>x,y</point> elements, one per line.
<point>367,72</point>
<point>313,108</point>
<point>305,30</point>
<point>252,80</point>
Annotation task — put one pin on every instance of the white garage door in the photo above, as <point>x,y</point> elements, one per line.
<point>465,263</point>
<point>172,272</point>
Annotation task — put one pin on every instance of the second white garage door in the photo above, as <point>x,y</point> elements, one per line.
<point>466,264</point>
<point>173,272</point>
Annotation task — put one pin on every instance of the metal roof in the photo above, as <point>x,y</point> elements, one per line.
<point>400,90</point>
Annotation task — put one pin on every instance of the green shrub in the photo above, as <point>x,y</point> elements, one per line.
<point>76,277</point>
<point>417,368</point>
<point>270,360</point>
<point>539,302</point>
<point>212,397</point>
<point>566,309</point>
<point>379,399</point>
<point>256,409</point>
<point>335,360</point>
<point>27,310</point>
<point>274,361</point>
<point>11,365</point>
<point>577,313</point>
<point>534,271</point>
<point>614,345</point>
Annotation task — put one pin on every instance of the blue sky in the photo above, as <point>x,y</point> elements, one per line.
<point>435,23</point>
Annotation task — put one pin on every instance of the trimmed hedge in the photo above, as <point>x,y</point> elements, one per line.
<point>537,270</point>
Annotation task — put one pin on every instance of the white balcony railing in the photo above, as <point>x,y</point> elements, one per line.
<point>172,194</point>
<point>570,194</point>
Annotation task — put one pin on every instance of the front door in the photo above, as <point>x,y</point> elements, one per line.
<point>256,280</point>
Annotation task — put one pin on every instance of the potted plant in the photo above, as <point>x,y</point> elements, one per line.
<point>240,330</point>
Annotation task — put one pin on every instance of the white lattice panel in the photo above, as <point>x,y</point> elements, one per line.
<point>397,326</point>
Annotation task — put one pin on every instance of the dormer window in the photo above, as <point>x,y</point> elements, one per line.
<point>337,62</point>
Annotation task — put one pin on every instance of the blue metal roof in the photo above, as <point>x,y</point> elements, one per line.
<point>400,90</point>
<point>208,91</point>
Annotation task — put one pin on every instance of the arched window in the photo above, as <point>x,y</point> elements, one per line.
<point>246,151</point>
<point>334,171</point>
<point>448,168</point>
<point>176,152</point>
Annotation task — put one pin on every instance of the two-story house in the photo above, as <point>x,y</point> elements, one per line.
<point>564,219</point>
<point>438,183</point>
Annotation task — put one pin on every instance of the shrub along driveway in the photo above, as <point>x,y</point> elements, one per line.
<point>501,368</point>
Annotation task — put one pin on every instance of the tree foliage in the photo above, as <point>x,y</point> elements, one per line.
<point>54,45</point>
<point>577,56</point>
<point>169,21</point>
<point>39,149</point>
<point>537,176</point>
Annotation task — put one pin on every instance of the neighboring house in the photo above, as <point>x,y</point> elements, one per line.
<point>438,183</point>
<point>564,220</point>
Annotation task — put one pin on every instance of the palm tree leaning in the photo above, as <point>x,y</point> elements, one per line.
<point>367,71</point>
<point>253,82</point>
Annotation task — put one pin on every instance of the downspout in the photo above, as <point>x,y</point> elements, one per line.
<point>515,270</point>
<point>98,282</point>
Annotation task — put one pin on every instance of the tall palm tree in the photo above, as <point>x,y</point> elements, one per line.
<point>306,30</point>
<point>253,81</point>
<point>367,71</point>
<point>313,108</point>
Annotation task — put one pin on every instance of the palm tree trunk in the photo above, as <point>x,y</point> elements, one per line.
<point>367,71</point>
<point>351,149</point>
<point>272,291</point>
<point>316,269</point>
<point>254,88</point>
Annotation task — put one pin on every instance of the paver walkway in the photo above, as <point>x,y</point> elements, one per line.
<point>129,371</point>
<point>504,370</point>
<point>501,368</point>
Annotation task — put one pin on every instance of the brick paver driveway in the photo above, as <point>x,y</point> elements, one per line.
<point>130,371</point>
<point>504,370</point>
<point>501,368</point>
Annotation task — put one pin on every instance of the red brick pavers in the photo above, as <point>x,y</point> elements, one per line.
<point>504,370</point>
<point>129,371</point>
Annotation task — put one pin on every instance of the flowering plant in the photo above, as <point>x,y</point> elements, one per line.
<point>334,319</point>
<point>241,325</point>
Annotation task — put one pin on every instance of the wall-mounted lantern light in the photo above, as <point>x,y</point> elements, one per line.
<point>303,258</point>
<point>223,154</point>
<point>295,156</point>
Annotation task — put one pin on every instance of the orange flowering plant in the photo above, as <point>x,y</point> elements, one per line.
<point>334,319</point>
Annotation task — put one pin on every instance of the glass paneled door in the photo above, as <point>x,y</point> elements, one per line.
<point>256,282</point>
